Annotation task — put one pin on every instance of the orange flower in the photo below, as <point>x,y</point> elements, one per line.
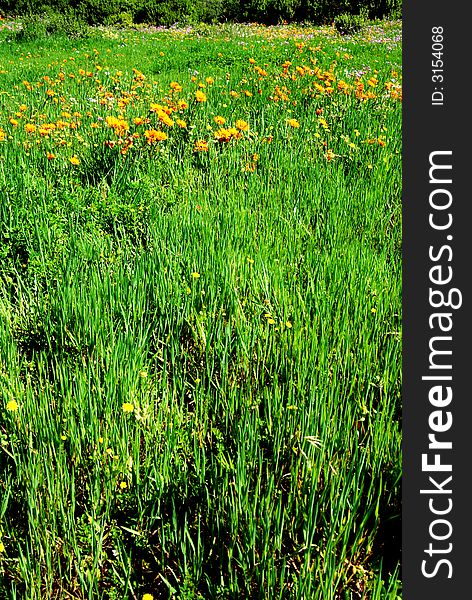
<point>50,155</point>
<point>182,104</point>
<point>164,118</point>
<point>175,86</point>
<point>200,146</point>
<point>154,135</point>
<point>242,125</point>
<point>200,96</point>
<point>30,128</point>
<point>219,120</point>
<point>293,123</point>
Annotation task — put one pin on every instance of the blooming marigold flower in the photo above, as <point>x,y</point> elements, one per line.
<point>200,146</point>
<point>30,128</point>
<point>182,104</point>
<point>50,156</point>
<point>154,135</point>
<point>74,160</point>
<point>181,123</point>
<point>2,135</point>
<point>219,120</point>
<point>164,118</point>
<point>138,121</point>
<point>293,123</point>
<point>200,96</point>
<point>242,125</point>
<point>176,86</point>
<point>223,135</point>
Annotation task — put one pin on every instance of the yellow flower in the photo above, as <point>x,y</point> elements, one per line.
<point>123,485</point>
<point>182,104</point>
<point>2,549</point>
<point>200,96</point>
<point>195,275</point>
<point>219,120</point>
<point>138,121</point>
<point>242,125</point>
<point>12,405</point>
<point>148,597</point>
<point>153,135</point>
<point>252,61</point>
<point>209,80</point>
<point>164,118</point>
<point>127,407</point>
<point>30,128</point>
<point>200,146</point>
<point>74,160</point>
<point>233,94</point>
<point>175,86</point>
<point>50,156</point>
<point>293,123</point>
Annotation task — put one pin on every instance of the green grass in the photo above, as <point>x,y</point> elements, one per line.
<point>247,307</point>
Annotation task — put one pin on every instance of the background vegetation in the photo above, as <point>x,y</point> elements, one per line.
<point>167,12</point>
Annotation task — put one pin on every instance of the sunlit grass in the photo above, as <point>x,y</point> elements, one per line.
<point>200,314</point>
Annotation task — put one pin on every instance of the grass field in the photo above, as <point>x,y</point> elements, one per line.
<point>200,314</point>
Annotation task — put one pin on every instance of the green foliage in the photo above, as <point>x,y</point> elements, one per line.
<point>168,12</point>
<point>49,22</point>
<point>348,24</point>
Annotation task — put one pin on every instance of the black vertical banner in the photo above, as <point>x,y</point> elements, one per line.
<point>437,368</point>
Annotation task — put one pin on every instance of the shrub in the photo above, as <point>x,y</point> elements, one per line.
<point>167,12</point>
<point>348,24</point>
<point>38,26</point>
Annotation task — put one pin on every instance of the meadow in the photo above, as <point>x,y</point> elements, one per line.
<point>200,314</point>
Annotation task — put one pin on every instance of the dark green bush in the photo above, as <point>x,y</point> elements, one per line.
<point>51,22</point>
<point>167,12</point>
<point>348,24</point>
